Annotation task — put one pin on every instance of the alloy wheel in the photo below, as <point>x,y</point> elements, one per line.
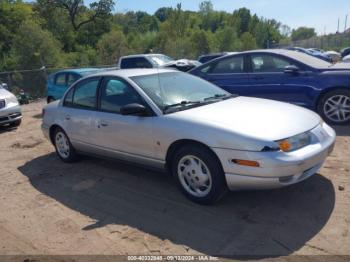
<point>337,108</point>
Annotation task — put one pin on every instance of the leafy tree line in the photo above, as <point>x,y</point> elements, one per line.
<point>62,33</point>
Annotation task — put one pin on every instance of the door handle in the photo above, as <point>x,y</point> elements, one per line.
<point>102,123</point>
<point>258,77</point>
<point>67,117</point>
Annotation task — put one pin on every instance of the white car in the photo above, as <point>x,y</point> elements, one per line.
<point>346,59</point>
<point>208,139</point>
<point>10,111</point>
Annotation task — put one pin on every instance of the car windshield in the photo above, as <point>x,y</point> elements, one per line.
<point>179,91</point>
<point>160,59</point>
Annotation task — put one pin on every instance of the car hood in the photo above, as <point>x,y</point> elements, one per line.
<point>182,63</point>
<point>256,118</point>
<point>5,94</point>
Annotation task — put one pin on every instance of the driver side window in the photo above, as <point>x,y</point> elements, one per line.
<point>115,94</point>
<point>264,63</point>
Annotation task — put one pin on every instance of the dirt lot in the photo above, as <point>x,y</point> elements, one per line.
<point>102,207</point>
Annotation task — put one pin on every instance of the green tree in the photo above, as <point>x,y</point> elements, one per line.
<point>12,16</point>
<point>248,41</point>
<point>302,33</point>
<point>111,47</point>
<point>79,14</point>
<point>200,43</point>
<point>35,47</point>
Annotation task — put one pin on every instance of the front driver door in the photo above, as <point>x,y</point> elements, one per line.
<point>269,80</point>
<point>125,136</point>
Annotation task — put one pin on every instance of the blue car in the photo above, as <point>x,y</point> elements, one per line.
<point>58,82</point>
<point>285,75</point>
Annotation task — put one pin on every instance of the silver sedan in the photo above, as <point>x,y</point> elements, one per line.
<point>208,139</point>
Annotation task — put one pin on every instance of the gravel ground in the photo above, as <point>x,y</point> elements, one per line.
<point>104,207</point>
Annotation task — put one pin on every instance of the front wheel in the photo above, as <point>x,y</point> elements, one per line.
<point>64,148</point>
<point>199,174</point>
<point>17,123</point>
<point>334,107</point>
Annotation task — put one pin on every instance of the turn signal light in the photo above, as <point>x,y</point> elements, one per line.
<point>243,162</point>
<point>285,145</point>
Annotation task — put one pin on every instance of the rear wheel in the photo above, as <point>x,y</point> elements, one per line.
<point>334,107</point>
<point>199,174</point>
<point>64,148</point>
<point>50,99</point>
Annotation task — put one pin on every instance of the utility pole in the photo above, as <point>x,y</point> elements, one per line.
<point>346,20</point>
<point>338,25</point>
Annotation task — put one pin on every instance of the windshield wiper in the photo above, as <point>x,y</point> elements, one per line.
<point>219,96</point>
<point>181,104</point>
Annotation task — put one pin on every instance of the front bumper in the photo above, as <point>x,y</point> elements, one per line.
<point>277,168</point>
<point>10,114</point>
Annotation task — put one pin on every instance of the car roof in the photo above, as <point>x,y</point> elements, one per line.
<point>138,55</point>
<point>127,73</point>
<point>79,70</point>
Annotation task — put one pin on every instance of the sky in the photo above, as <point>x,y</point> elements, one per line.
<point>320,14</point>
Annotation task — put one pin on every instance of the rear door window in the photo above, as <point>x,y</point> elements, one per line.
<point>60,79</point>
<point>229,65</point>
<point>85,94</point>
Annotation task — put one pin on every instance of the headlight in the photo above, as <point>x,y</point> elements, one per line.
<point>11,100</point>
<point>295,142</point>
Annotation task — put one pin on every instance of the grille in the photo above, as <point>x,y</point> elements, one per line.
<point>2,103</point>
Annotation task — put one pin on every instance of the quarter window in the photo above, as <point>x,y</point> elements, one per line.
<point>268,63</point>
<point>229,65</point>
<point>115,94</point>
<point>85,94</point>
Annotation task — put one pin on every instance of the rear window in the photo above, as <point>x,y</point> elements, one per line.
<point>135,62</point>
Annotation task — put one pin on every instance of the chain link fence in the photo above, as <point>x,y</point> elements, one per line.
<point>328,42</point>
<point>32,82</point>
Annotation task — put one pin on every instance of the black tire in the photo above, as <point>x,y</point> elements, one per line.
<point>50,99</point>
<point>322,106</point>
<point>71,155</point>
<point>17,123</point>
<point>218,183</point>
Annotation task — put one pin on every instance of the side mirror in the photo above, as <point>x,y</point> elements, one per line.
<point>291,69</point>
<point>133,109</point>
